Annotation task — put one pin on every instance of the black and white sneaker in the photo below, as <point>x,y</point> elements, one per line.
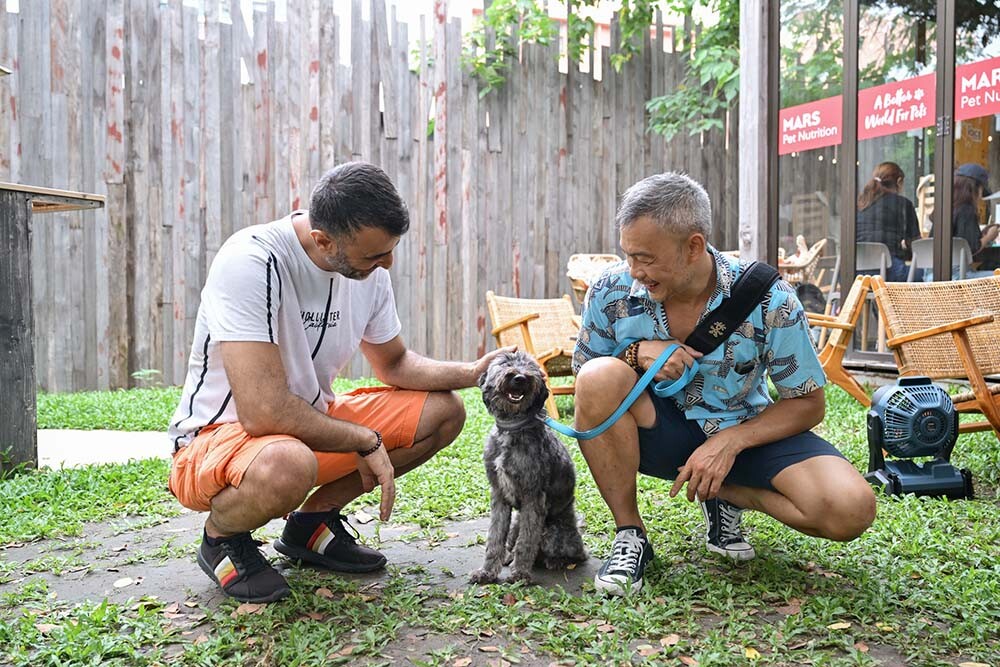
<point>622,571</point>
<point>722,533</point>
<point>240,569</point>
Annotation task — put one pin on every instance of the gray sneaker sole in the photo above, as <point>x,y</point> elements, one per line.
<point>310,556</point>
<point>739,555</point>
<point>278,594</point>
<point>616,587</point>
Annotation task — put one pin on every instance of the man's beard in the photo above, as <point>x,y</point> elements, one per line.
<point>340,264</point>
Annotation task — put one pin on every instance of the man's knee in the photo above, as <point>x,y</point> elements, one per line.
<point>451,410</point>
<point>601,380</point>
<point>850,513</point>
<point>287,470</point>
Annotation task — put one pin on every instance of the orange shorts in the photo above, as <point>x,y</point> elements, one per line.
<point>220,455</point>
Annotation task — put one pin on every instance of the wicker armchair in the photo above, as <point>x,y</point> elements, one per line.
<point>947,330</point>
<point>842,327</point>
<point>582,269</point>
<point>544,328</point>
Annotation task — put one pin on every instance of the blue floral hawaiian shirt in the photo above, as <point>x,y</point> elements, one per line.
<point>730,385</point>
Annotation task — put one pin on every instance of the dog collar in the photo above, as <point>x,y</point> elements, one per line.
<point>515,424</point>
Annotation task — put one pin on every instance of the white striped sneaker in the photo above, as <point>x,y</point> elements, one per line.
<point>327,544</point>
<point>722,533</point>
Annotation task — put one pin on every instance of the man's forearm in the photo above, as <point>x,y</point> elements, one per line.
<point>782,419</point>
<point>414,371</point>
<point>317,430</point>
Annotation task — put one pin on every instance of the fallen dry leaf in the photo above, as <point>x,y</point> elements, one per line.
<point>839,625</point>
<point>200,639</point>
<point>646,650</point>
<point>606,627</point>
<point>45,628</point>
<point>123,582</point>
<point>251,641</point>
<point>190,603</point>
<point>972,664</point>
<point>571,566</point>
<point>670,640</point>
<point>509,599</point>
<point>315,615</point>
<point>489,649</point>
<point>172,608</point>
<point>884,627</point>
<point>173,615</point>
<point>497,662</point>
<point>861,646</point>
<point>363,517</point>
<point>751,653</point>
<point>461,662</point>
<point>347,650</point>
<point>688,660</point>
<point>324,593</point>
<point>793,607</point>
<point>248,608</point>
<point>121,548</point>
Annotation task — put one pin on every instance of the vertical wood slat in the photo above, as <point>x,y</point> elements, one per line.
<point>18,438</point>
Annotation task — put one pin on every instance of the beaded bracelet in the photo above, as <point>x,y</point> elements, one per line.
<point>378,443</point>
<point>632,356</point>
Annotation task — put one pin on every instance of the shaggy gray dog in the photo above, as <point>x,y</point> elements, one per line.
<point>529,470</point>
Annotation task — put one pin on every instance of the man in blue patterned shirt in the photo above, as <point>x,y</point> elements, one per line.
<point>722,435</point>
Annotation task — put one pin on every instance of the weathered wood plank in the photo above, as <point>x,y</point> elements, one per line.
<point>18,435</point>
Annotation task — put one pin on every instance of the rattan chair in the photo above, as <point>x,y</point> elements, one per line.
<point>582,269</point>
<point>831,355</point>
<point>947,330</point>
<point>544,328</point>
<point>801,267</point>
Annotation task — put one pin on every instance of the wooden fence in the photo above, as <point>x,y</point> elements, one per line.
<point>194,126</point>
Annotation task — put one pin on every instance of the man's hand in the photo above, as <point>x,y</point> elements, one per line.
<point>376,468</point>
<point>683,357</point>
<point>480,365</point>
<point>707,467</point>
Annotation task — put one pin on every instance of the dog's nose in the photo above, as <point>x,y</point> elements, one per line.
<point>519,380</point>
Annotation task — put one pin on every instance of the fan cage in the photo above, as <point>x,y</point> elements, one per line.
<point>916,420</point>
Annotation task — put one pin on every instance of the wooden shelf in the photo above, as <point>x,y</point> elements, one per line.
<point>49,200</point>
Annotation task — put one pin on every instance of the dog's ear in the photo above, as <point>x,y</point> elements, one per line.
<point>482,378</point>
<point>541,396</point>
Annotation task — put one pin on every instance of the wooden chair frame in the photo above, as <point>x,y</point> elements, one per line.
<point>842,328</point>
<point>947,330</point>
<point>543,331</point>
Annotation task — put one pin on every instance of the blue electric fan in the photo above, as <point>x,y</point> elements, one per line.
<point>915,418</point>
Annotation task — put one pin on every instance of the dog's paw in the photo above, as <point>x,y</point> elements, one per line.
<point>483,577</point>
<point>518,577</point>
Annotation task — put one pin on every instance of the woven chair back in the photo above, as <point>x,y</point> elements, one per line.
<point>910,307</point>
<point>554,327</point>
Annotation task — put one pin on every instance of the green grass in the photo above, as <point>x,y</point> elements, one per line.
<point>921,587</point>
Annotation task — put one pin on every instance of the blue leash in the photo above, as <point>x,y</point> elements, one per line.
<point>662,389</point>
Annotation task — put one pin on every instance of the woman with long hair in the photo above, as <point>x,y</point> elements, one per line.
<point>886,216</point>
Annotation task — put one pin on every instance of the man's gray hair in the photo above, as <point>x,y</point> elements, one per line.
<point>672,200</point>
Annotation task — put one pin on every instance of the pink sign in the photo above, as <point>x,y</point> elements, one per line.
<point>811,125</point>
<point>896,107</point>
<point>977,89</point>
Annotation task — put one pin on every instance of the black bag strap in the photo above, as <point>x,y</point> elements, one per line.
<point>747,293</point>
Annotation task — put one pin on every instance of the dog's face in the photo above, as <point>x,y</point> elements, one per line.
<point>513,385</point>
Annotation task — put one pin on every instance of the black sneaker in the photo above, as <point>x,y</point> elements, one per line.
<point>723,534</point>
<point>622,571</point>
<point>328,545</point>
<point>241,570</point>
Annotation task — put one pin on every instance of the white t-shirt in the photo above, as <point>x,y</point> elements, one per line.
<point>262,286</point>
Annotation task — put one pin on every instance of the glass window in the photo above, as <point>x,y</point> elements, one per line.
<point>977,138</point>
<point>810,133</point>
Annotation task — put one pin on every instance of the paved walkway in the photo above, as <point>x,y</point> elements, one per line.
<point>67,449</point>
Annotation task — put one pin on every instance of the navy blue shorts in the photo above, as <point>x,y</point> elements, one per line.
<point>666,447</point>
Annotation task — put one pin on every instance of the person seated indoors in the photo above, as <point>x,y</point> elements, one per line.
<point>886,216</point>
<point>971,185</point>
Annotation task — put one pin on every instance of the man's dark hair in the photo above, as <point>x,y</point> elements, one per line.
<point>355,195</point>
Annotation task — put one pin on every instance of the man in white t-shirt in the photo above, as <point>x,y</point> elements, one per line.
<point>285,306</point>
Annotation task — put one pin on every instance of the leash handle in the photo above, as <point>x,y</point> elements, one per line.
<point>663,389</point>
